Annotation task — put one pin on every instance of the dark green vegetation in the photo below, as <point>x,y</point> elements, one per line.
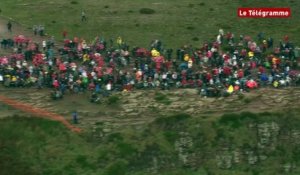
<point>162,98</point>
<point>245,143</point>
<point>175,22</point>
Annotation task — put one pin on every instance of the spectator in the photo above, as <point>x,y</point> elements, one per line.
<point>75,117</point>
<point>83,16</point>
<point>9,26</point>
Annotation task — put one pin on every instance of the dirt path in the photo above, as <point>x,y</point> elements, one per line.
<point>38,112</point>
<point>17,29</point>
<point>135,108</point>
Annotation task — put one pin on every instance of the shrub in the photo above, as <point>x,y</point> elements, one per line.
<point>115,137</point>
<point>82,160</point>
<point>171,136</point>
<point>226,94</point>
<point>113,100</point>
<point>116,168</point>
<point>195,39</point>
<point>247,100</point>
<point>241,96</point>
<point>147,11</point>
<point>125,149</point>
<point>248,116</point>
<point>172,121</point>
<point>74,2</point>
<point>162,98</point>
<point>190,27</point>
<point>233,120</point>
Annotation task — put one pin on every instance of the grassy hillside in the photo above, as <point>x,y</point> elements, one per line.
<point>35,146</point>
<point>243,143</point>
<point>175,22</point>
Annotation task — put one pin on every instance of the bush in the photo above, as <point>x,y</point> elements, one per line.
<point>115,137</point>
<point>230,119</point>
<point>172,121</point>
<point>74,2</point>
<point>190,27</point>
<point>162,98</point>
<point>247,100</point>
<point>195,39</point>
<point>147,11</point>
<point>171,136</point>
<point>113,100</point>
<point>116,168</point>
<point>226,94</point>
<point>241,96</point>
<point>126,150</point>
<point>248,116</point>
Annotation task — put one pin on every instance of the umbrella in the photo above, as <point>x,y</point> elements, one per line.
<point>3,60</point>
<point>158,59</point>
<point>109,71</point>
<point>155,53</point>
<point>264,77</point>
<point>251,84</point>
<point>20,39</point>
<point>142,52</point>
<point>230,89</point>
<point>38,59</point>
<point>18,56</point>
<point>62,67</point>
<point>183,66</point>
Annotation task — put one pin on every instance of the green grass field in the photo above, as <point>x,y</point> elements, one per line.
<point>172,145</point>
<point>174,22</point>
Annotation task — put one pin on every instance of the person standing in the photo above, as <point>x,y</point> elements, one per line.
<point>44,44</point>
<point>75,117</point>
<point>41,30</point>
<point>35,29</point>
<point>83,16</point>
<point>9,26</point>
<point>64,34</point>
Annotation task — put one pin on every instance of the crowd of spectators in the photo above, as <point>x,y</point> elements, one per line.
<point>226,65</point>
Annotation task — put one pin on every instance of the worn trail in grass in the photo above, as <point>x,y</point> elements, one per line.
<point>38,112</point>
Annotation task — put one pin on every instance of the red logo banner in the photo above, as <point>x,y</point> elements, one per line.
<point>264,12</point>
